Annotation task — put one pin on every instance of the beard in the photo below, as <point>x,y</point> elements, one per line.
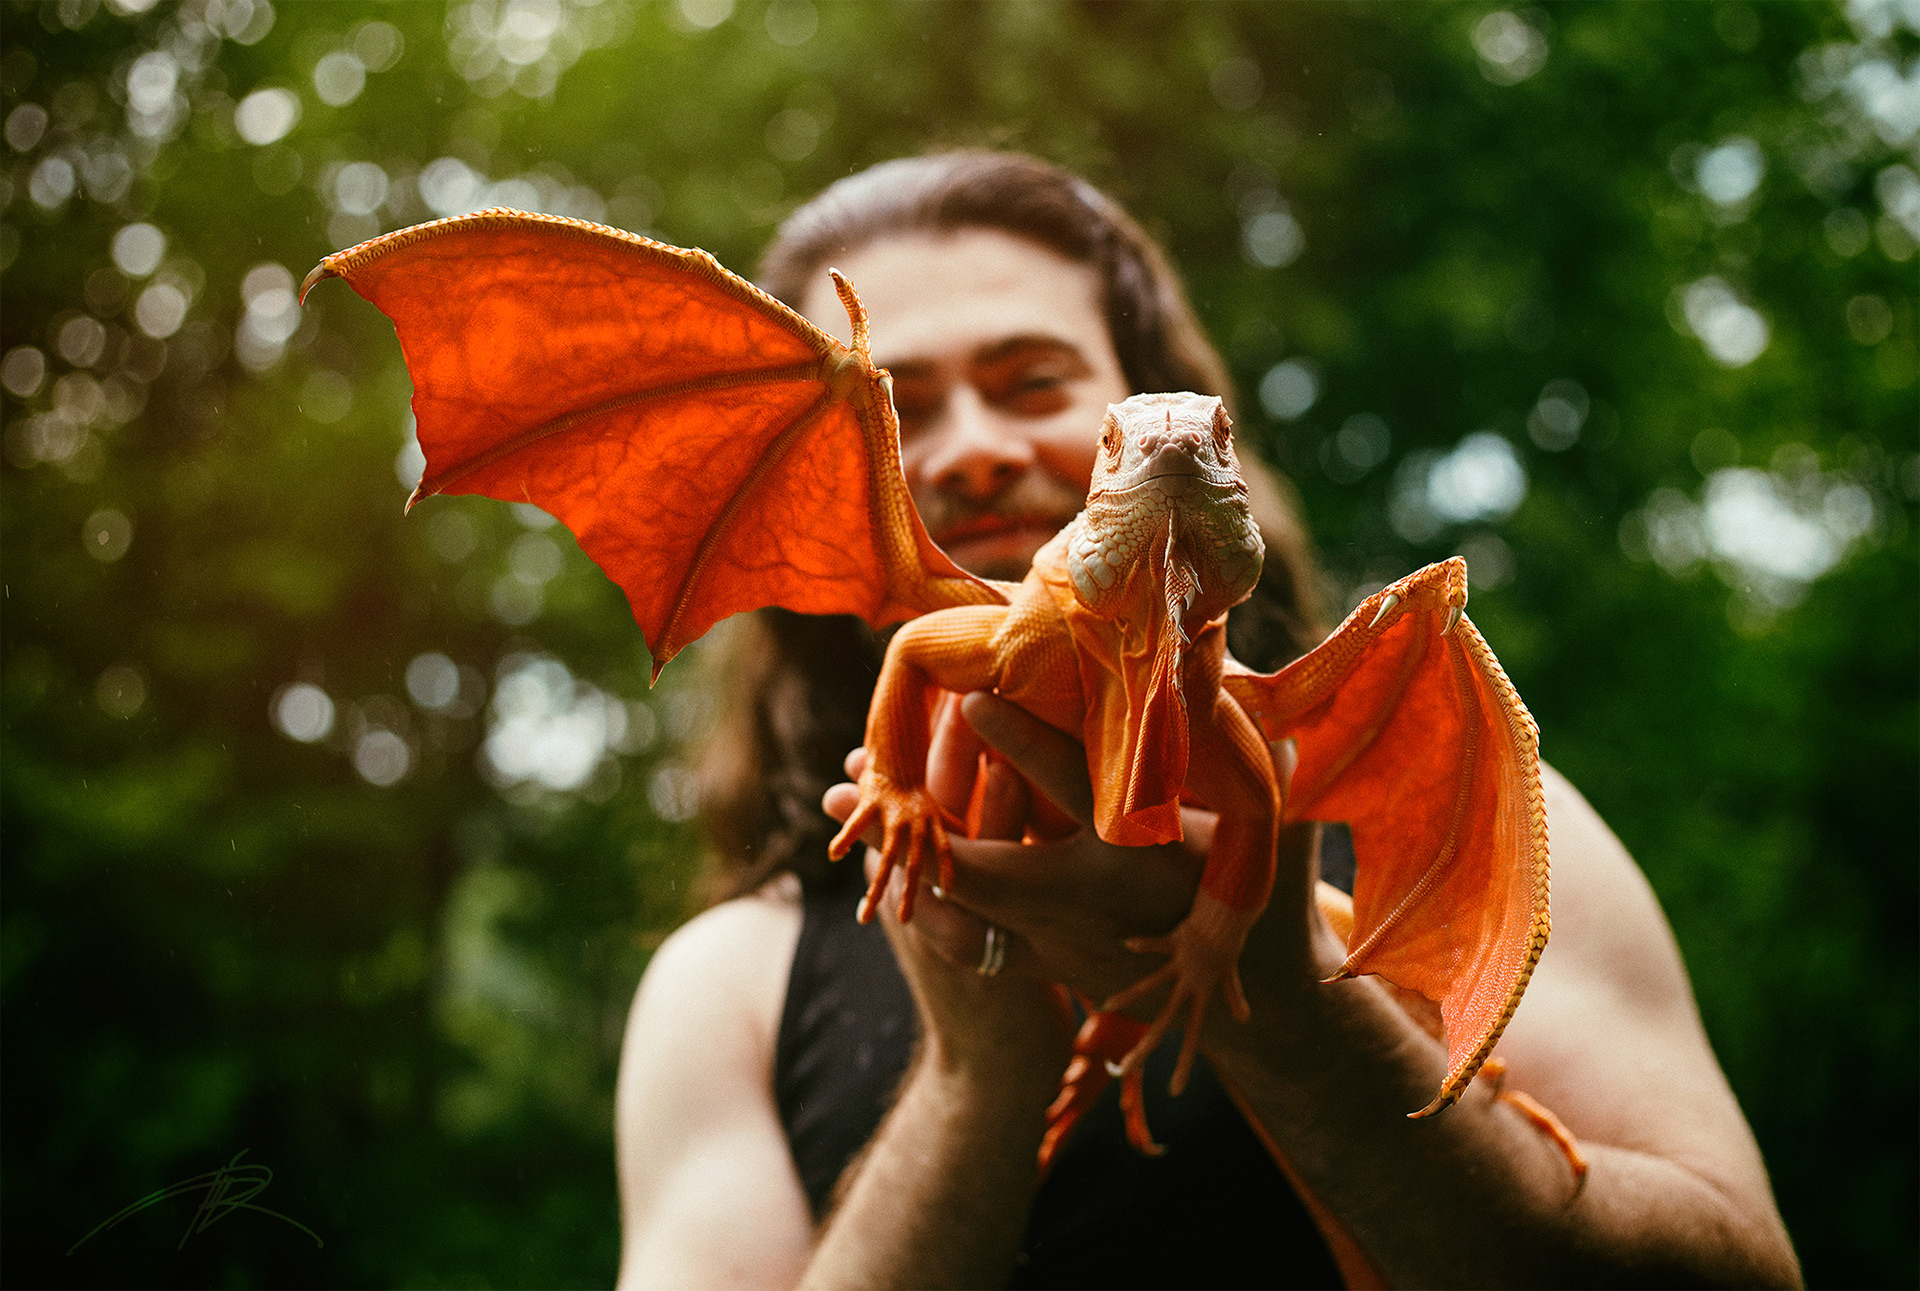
<point>997,538</point>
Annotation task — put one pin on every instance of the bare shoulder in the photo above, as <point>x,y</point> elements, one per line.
<point>708,1190</point>
<point>707,1012</point>
<point>1609,1035</point>
<point>735,956</point>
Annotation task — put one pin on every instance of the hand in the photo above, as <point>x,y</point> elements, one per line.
<point>1009,1030</point>
<point>1067,900</point>
<point>1070,903</point>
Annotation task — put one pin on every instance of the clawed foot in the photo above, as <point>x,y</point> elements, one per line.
<point>1494,1072</point>
<point>1203,956</point>
<point>1103,1038</point>
<point>910,823</point>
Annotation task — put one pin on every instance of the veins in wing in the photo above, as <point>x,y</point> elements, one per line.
<point>723,523</point>
<point>1410,663</point>
<point>581,418</point>
<point>1462,799</point>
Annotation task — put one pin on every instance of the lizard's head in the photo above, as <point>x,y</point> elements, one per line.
<point>1168,497</point>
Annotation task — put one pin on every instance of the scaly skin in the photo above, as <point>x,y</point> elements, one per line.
<point>1116,637</point>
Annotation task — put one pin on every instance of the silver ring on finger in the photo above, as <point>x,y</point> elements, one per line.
<point>993,955</point>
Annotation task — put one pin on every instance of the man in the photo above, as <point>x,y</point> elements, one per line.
<point>1012,303</point>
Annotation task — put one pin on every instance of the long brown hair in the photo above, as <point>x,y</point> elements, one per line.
<point>798,686</point>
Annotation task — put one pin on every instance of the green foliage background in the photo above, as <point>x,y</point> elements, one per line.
<point>407,1000</point>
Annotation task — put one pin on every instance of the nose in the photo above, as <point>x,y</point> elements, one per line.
<point>970,449</point>
<point>1171,449</point>
<point>1167,437</point>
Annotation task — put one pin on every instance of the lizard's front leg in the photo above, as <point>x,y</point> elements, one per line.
<point>951,650</point>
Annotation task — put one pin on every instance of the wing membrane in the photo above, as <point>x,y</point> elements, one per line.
<point>1408,730</point>
<point>711,449</point>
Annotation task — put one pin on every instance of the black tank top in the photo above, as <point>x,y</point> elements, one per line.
<point>1214,1211</point>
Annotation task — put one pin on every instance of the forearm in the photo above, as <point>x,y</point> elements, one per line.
<point>1476,1195</point>
<point>940,1197</point>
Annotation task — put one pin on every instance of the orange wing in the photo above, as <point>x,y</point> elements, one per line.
<point>1409,731</point>
<point>710,448</point>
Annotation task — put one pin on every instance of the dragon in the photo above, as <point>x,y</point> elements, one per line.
<point>715,452</point>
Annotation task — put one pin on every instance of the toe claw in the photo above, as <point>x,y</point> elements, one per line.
<point>909,825</point>
<point>1189,1048</point>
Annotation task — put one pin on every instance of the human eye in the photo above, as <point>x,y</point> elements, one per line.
<point>915,401</point>
<point>1039,378</point>
<point>1033,385</point>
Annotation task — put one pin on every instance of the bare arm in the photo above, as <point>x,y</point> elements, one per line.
<point>941,1195</point>
<point>1608,1038</point>
<point>708,1191</point>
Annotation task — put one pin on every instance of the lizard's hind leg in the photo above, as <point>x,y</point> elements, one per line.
<point>1104,1039</point>
<point>1232,771</point>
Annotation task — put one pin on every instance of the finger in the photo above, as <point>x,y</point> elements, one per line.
<point>1079,881</point>
<point>856,763</point>
<point>957,935</point>
<point>1286,755</point>
<point>1003,802</point>
<point>998,877</point>
<point>953,757</point>
<point>1048,821</point>
<point>1024,884</point>
<point>1055,763</point>
<point>840,800</point>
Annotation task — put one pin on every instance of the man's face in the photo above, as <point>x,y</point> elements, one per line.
<point>1002,370</point>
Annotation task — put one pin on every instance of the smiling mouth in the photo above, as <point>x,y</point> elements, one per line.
<point>998,546</point>
<point>985,526</point>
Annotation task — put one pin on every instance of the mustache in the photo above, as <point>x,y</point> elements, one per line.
<point>1035,499</point>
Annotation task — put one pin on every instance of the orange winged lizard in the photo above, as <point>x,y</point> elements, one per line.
<point>1118,636</point>
<point>716,452</point>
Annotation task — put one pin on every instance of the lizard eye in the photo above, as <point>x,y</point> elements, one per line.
<point>1110,438</point>
<point>1222,428</point>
